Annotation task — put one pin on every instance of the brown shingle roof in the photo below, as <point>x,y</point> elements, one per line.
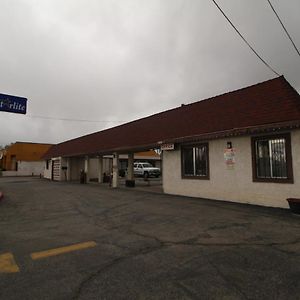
<point>270,102</point>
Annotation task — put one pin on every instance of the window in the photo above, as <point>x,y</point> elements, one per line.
<point>147,165</point>
<point>195,162</point>
<point>272,159</point>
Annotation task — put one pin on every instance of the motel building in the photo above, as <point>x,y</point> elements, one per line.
<point>242,146</point>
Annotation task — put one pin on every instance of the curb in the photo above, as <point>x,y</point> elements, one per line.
<point>1,196</point>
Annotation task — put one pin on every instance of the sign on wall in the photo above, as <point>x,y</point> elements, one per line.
<point>13,104</point>
<point>167,147</point>
<point>229,158</point>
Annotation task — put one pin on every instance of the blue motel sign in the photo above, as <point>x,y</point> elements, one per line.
<point>13,104</point>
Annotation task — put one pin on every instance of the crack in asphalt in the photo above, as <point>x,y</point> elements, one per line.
<point>188,242</point>
<point>104,213</point>
<point>228,282</point>
<point>111,218</point>
<point>161,244</point>
<point>187,291</point>
<point>110,265</point>
<point>192,241</point>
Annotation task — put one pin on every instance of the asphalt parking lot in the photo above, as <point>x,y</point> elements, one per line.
<point>72,241</point>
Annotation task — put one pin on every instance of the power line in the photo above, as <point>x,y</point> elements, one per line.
<point>284,27</point>
<point>237,31</point>
<point>72,120</point>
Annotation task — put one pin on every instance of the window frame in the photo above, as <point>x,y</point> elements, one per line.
<point>288,152</point>
<point>185,146</point>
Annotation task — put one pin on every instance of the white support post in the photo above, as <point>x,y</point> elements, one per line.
<point>86,168</point>
<point>100,169</point>
<point>115,178</point>
<point>130,174</point>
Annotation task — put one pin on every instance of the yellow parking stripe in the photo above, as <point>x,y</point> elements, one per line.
<point>8,264</point>
<point>62,250</point>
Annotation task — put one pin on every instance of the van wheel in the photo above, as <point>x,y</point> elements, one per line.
<point>146,175</point>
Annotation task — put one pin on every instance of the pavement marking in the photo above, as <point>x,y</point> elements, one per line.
<point>8,264</point>
<point>62,250</point>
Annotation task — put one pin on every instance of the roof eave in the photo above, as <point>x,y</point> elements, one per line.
<point>266,128</point>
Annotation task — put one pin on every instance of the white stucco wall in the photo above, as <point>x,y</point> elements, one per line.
<point>27,168</point>
<point>48,172</point>
<point>236,184</point>
<point>93,168</point>
<point>76,164</point>
<point>107,165</point>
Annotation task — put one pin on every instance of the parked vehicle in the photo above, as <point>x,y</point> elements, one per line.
<point>145,169</point>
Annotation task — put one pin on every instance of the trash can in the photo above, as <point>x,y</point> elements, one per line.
<point>294,204</point>
<point>105,178</point>
<point>82,177</point>
<point>130,183</point>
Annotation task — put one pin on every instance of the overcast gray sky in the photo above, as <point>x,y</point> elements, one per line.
<point>118,60</point>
